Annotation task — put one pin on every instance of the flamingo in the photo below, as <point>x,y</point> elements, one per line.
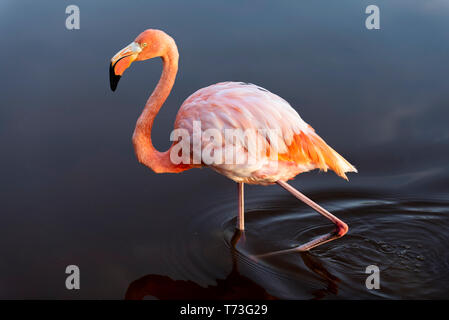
<point>232,105</point>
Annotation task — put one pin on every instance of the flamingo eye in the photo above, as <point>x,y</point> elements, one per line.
<point>144,44</point>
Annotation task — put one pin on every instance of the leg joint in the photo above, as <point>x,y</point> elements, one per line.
<point>342,229</point>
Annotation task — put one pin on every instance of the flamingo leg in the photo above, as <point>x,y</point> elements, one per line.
<point>241,216</point>
<point>340,230</point>
<point>238,236</point>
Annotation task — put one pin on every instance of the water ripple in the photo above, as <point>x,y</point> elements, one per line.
<point>406,238</point>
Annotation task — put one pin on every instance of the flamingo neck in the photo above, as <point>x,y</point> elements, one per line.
<point>146,153</point>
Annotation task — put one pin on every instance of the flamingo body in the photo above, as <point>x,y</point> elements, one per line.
<point>237,105</point>
<point>285,144</point>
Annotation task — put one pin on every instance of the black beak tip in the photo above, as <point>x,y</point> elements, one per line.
<point>113,78</point>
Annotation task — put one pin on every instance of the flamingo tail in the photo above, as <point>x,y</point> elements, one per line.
<point>326,157</point>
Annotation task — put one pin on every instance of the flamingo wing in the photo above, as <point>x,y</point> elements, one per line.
<point>236,105</point>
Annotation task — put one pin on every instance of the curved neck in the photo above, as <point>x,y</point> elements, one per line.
<point>143,146</point>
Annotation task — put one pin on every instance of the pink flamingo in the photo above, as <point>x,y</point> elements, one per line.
<point>233,105</point>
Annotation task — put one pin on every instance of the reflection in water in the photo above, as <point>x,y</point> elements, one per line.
<point>402,236</point>
<point>234,286</point>
<point>316,266</point>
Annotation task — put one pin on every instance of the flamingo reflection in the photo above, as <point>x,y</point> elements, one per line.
<point>234,287</point>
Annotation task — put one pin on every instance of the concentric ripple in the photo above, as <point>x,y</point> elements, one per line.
<point>405,238</point>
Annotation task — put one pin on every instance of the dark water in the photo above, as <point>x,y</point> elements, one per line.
<point>72,192</point>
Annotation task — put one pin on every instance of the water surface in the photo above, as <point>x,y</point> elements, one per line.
<point>72,191</point>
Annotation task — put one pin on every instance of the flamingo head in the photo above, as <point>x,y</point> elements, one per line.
<point>149,44</point>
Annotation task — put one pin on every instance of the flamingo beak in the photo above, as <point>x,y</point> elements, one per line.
<point>121,61</point>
